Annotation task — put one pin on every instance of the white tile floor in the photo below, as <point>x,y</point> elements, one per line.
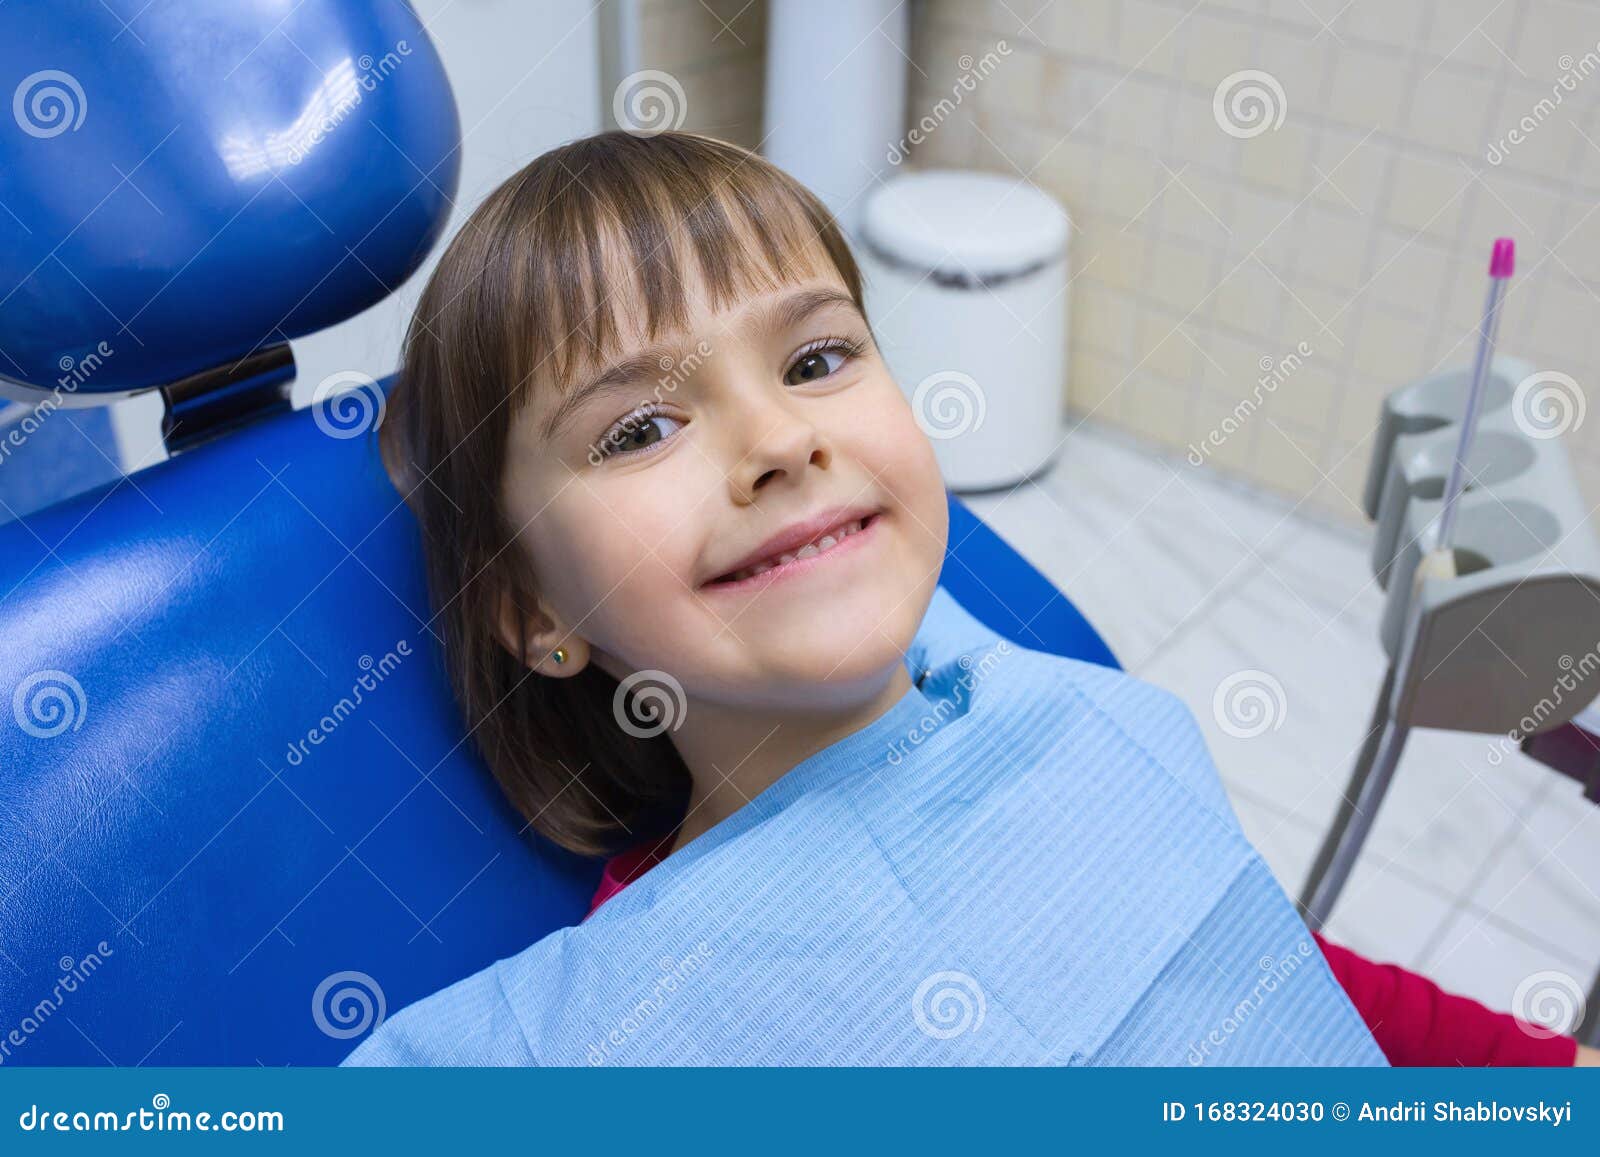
<point>1478,875</point>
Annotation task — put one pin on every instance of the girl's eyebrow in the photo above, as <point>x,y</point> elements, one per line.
<point>785,313</point>
<point>788,312</point>
<point>615,377</point>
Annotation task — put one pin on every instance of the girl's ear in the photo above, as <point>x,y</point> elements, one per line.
<point>534,638</point>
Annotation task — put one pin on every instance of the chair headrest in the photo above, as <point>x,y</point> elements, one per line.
<point>188,182</point>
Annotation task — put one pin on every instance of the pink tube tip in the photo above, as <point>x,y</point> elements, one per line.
<point>1504,258</point>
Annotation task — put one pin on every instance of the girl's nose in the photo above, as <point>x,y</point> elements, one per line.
<point>774,442</point>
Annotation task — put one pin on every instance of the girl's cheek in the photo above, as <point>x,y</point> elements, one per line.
<point>650,523</point>
<point>891,443</point>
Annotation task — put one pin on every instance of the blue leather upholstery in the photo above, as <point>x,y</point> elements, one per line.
<point>200,827</point>
<point>187,180</point>
<point>1003,591</point>
<point>213,610</point>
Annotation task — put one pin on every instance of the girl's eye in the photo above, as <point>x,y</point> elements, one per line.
<point>635,433</point>
<point>813,365</point>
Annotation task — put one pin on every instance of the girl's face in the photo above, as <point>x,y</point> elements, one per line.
<point>639,490</point>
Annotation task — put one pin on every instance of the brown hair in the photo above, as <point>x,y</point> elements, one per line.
<point>525,296</point>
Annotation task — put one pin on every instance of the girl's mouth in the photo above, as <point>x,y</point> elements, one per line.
<point>846,538</point>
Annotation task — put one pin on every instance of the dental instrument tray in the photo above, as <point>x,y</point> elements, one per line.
<point>1501,632</point>
<point>1508,643</point>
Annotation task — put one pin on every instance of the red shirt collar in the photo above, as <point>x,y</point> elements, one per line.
<point>624,868</point>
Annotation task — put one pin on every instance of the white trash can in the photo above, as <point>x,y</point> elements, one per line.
<point>966,289</point>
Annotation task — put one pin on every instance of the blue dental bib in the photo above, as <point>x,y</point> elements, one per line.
<point>1027,860</point>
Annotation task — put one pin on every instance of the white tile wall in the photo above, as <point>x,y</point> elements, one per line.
<point>1361,224</point>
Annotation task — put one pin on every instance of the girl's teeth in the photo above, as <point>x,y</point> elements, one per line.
<point>807,551</point>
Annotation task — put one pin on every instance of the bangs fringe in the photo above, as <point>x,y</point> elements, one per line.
<point>612,226</point>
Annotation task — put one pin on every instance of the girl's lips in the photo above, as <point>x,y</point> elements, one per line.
<point>758,582</point>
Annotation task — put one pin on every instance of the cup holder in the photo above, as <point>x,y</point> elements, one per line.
<point>1526,580</point>
<point>1469,561</point>
<point>1495,457</point>
<point>1490,534</point>
<point>1431,488</point>
<point>1441,400</point>
<point>1496,533</point>
<point>1430,405</point>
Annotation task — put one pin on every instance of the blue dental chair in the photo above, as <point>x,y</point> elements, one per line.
<point>209,853</point>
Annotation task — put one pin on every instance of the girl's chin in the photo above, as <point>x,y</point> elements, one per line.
<point>842,660</point>
<point>799,693</point>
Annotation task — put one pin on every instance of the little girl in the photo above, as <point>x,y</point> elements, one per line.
<point>684,533</point>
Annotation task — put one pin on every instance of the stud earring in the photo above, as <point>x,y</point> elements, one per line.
<point>559,654</point>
